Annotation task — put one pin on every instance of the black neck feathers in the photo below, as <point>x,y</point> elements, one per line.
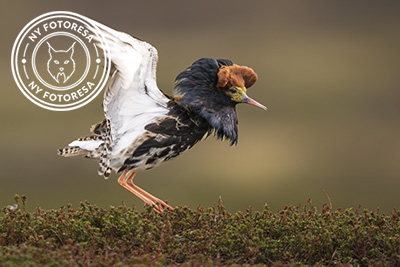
<point>197,87</point>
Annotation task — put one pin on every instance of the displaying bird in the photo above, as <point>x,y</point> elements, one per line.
<point>144,127</point>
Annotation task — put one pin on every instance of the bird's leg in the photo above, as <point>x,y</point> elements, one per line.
<point>159,204</point>
<point>122,182</point>
<point>147,198</point>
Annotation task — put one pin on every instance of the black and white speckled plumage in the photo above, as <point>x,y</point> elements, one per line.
<point>167,138</point>
<point>198,109</point>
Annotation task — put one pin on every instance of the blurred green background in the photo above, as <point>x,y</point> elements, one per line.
<point>328,73</point>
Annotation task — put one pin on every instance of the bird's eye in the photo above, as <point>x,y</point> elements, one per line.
<point>233,90</point>
<point>56,61</point>
<point>66,61</point>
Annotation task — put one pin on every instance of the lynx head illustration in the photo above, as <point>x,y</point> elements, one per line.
<point>61,65</point>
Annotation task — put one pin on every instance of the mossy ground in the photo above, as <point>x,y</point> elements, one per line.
<point>120,236</point>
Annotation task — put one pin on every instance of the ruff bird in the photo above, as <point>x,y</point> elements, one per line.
<point>143,126</point>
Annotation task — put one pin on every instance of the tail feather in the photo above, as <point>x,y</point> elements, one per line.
<point>105,169</point>
<point>99,128</point>
<point>72,151</point>
<point>91,137</point>
<point>97,146</point>
<point>85,146</point>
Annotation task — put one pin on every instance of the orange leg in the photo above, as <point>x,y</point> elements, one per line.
<point>158,202</point>
<point>122,181</point>
<point>147,198</point>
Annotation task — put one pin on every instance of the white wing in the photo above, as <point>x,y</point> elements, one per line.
<point>132,99</point>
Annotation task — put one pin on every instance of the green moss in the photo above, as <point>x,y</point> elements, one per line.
<point>120,236</point>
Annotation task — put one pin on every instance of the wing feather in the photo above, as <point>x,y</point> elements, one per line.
<point>132,99</point>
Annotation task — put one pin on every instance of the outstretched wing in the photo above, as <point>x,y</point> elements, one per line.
<point>132,99</point>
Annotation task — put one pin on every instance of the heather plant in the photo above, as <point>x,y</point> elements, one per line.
<point>119,236</point>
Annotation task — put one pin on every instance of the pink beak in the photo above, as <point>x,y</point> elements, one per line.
<point>252,102</point>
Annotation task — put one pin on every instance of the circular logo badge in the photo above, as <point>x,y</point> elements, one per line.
<point>56,62</point>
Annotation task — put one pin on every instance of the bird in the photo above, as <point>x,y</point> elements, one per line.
<point>143,126</point>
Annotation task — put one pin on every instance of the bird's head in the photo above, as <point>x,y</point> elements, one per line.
<point>213,88</point>
<point>234,80</point>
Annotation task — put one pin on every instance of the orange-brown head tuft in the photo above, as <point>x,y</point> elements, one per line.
<point>236,76</point>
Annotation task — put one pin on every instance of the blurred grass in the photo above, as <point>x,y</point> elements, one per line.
<point>328,72</point>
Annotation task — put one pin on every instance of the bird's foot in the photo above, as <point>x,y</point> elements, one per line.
<point>158,205</point>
